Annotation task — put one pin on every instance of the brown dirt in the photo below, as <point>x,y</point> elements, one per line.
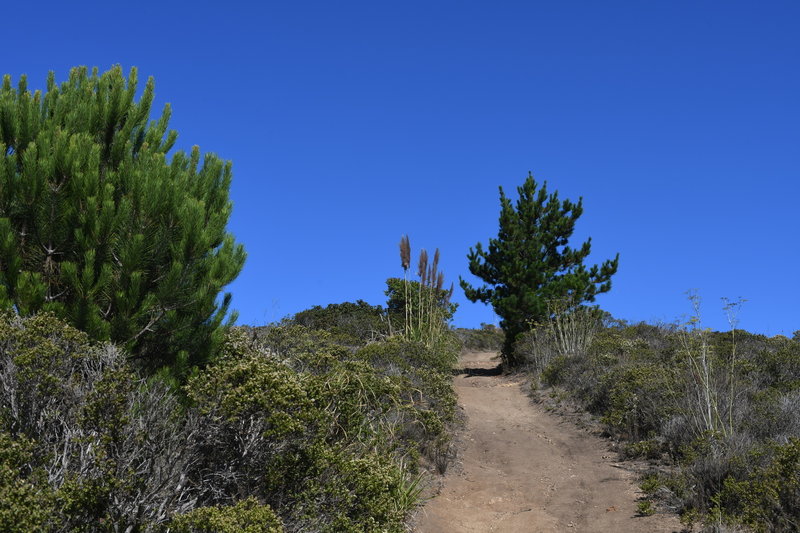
<point>524,469</point>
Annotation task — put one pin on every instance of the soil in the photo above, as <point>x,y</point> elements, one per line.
<point>524,469</point>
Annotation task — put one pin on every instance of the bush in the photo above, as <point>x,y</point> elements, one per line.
<point>247,516</point>
<point>26,501</point>
<point>360,321</point>
<point>404,384</point>
<point>768,499</point>
<point>318,432</point>
<point>568,331</point>
<point>424,379</point>
<point>110,448</point>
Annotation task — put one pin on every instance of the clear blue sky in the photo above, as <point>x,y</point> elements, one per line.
<point>350,124</point>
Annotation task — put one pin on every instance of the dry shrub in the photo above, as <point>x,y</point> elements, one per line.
<point>568,333</point>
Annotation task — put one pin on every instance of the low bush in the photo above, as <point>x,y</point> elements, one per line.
<point>321,433</point>
<point>360,321</point>
<point>246,516</point>
<point>768,497</point>
<point>105,447</point>
<point>27,501</point>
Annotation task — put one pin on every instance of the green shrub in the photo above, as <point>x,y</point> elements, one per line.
<point>645,508</point>
<point>26,501</point>
<point>94,429</point>
<point>318,432</point>
<point>352,494</point>
<point>304,349</point>
<point>358,321</point>
<point>768,499</point>
<point>640,380</point>
<point>639,398</point>
<point>648,449</point>
<point>246,516</point>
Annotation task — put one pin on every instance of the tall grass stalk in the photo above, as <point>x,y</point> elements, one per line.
<point>732,309</point>
<point>712,378</point>
<point>568,332</point>
<point>573,326</point>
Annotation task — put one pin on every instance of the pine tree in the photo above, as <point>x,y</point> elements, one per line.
<point>101,227</point>
<point>529,265</point>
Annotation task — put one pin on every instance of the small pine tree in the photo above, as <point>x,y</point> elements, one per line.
<point>529,264</point>
<point>101,227</point>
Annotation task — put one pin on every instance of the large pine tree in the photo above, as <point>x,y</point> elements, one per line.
<point>101,226</point>
<point>529,264</point>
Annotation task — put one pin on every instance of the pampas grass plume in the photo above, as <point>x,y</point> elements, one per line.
<point>405,252</point>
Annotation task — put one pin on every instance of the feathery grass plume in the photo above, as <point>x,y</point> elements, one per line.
<point>422,271</point>
<point>405,261</point>
<point>405,252</point>
<point>435,266</point>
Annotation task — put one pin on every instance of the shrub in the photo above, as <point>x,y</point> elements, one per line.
<point>246,516</point>
<point>352,494</point>
<point>716,402</point>
<point>26,501</point>
<point>424,379</point>
<point>257,417</point>
<point>360,321</point>
<point>568,331</point>
<point>768,499</point>
<point>317,431</point>
<point>110,448</point>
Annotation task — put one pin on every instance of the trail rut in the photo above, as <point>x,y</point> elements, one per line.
<point>526,470</point>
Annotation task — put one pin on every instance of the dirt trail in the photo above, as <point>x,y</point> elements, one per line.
<point>526,470</point>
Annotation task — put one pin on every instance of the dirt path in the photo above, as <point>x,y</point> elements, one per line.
<point>526,470</point>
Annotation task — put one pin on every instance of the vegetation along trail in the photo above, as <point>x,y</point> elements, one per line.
<point>526,470</point>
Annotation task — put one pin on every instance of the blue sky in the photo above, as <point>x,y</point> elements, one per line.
<point>350,124</point>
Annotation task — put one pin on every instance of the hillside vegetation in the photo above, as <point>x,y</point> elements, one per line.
<point>288,429</point>
<point>717,413</point>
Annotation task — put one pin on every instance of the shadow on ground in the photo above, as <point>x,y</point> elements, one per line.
<point>479,372</point>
